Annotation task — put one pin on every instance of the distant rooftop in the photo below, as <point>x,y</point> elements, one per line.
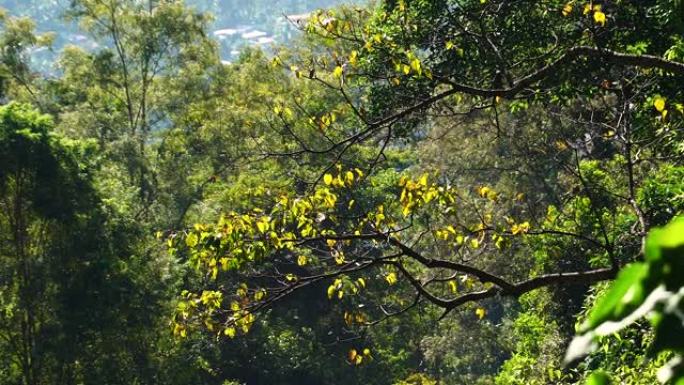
<point>254,35</point>
<point>225,32</point>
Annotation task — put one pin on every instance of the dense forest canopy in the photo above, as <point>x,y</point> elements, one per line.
<point>395,192</point>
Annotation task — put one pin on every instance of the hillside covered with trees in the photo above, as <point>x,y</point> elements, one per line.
<point>403,192</point>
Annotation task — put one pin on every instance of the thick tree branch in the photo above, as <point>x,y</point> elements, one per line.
<point>613,57</point>
<point>557,279</point>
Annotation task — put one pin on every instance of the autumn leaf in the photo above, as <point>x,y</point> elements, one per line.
<point>302,260</point>
<point>567,9</point>
<point>659,103</point>
<point>391,278</point>
<point>600,18</point>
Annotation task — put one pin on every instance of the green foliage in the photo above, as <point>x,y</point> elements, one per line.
<point>653,287</point>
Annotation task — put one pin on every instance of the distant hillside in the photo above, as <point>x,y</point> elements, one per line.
<point>237,23</point>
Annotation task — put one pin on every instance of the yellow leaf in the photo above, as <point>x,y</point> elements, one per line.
<point>480,312</point>
<point>423,181</point>
<point>587,9</point>
<point>224,263</point>
<point>352,355</point>
<point>521,228</point>
<point>337,72</point>
<point>328,179</point>
<point>349,177</point>
<point>353,58</point>
<point>302,260</point>
<point>263,225</point>
<point>567,9</point>
<point>339,258</point>
<point>362,282</point>
<point>230,332</point>
<point>416,66</point>
<point>192,240</point>
<point>600,18</point>
<point>331,291</point>
<point>391,278</point>
<point>659,103</point>
<point>453,286</point>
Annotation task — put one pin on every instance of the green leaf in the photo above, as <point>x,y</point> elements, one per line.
<point>191,240</point>
<point>598,378</point>
<point>624,295</point>
<point>672,236</point>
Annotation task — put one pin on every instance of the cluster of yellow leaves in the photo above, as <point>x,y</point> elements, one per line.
<point>351,318</point>
<point>488,193</point>
<point>343,285</point>
<point>324,121</point>
<point>343,179</point>
<point>327,21</point>
<point>599,16</point>
<point>520,228</point>
<point>239,239</point>
<point>661,104</point>
<point>409,65</point>
<point>211,301</point>
<point>416,193</point>
<point>589,8</point>
<point>391,278</point>
<point>451,46</point>
<point>567,8</point>
<point>356,358</point>
<point>283,112</point>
